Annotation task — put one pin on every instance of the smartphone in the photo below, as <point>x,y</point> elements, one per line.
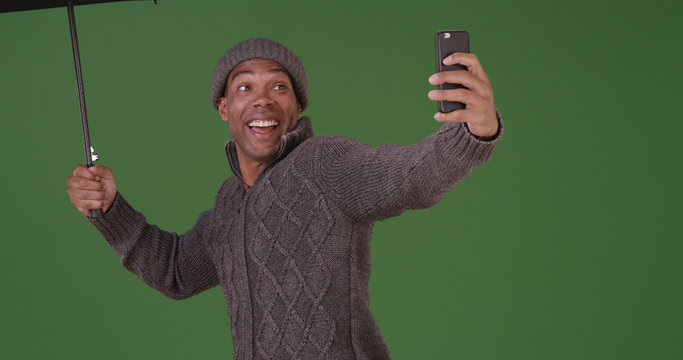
<point>448,42</point>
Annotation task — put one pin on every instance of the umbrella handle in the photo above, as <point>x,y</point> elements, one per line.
<point>95,213</point>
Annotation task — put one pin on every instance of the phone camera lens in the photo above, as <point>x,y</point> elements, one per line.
<point>447,35</point>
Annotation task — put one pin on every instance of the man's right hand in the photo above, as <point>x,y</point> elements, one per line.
<point>91,188</point>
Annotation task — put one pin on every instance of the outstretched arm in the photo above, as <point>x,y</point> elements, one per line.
<point>177,266</point>
<point>373,183</point>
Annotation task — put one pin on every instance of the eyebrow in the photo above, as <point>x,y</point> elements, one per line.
<point>251,72</point>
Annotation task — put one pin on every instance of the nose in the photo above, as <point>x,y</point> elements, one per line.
<point>262,98</point>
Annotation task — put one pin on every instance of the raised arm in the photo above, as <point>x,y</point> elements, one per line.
<point>375,183</point>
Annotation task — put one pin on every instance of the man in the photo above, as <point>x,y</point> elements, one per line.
<point>288,237</point>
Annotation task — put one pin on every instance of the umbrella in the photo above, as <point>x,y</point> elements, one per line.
<point>20,5</point>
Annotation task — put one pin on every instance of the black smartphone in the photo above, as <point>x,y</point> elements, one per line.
<point>448,42</point>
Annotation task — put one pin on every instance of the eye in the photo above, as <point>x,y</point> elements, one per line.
<point>280,87</point>
<point>243,88</point>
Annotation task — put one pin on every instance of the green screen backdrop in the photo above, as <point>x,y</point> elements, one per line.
<point>564,246</point>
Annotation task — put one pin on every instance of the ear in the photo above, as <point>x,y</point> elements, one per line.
<point>223,108</point>
<point>298,109</point>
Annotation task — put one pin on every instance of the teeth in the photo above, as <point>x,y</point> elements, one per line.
<point>262,123</point>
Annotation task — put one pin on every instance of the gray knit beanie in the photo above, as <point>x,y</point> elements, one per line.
<point>259,49</point>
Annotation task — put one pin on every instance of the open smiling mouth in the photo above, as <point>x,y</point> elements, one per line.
<point>263,126</point>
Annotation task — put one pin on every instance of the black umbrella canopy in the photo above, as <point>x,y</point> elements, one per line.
<point>21,5</point>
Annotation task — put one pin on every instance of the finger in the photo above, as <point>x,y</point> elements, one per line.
<point>471,100</point>
<point>102,171</point>
<point>464,78</point>
<point>460,115</point>
<point>78,182</point>
<point>88,205</point>
<point>80,194</point>
<point>469,60</point>
<point>82,171</point>
<point>461,95</point>
<point>477,121</point>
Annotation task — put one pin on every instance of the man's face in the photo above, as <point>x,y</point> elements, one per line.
<point>259,106</point>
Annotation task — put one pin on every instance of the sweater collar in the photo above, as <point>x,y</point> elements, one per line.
<point>288,142</point>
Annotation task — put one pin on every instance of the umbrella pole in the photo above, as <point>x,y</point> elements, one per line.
<point>94,213</point>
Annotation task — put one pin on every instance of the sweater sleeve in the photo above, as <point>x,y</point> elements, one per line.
<point>177,266</point>
<point>375,183</point>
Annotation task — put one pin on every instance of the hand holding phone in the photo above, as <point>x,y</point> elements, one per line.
<point>463,96</point>
<point>448,42</point>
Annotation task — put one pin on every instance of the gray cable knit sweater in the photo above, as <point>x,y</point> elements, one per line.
<point>292,254</point>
